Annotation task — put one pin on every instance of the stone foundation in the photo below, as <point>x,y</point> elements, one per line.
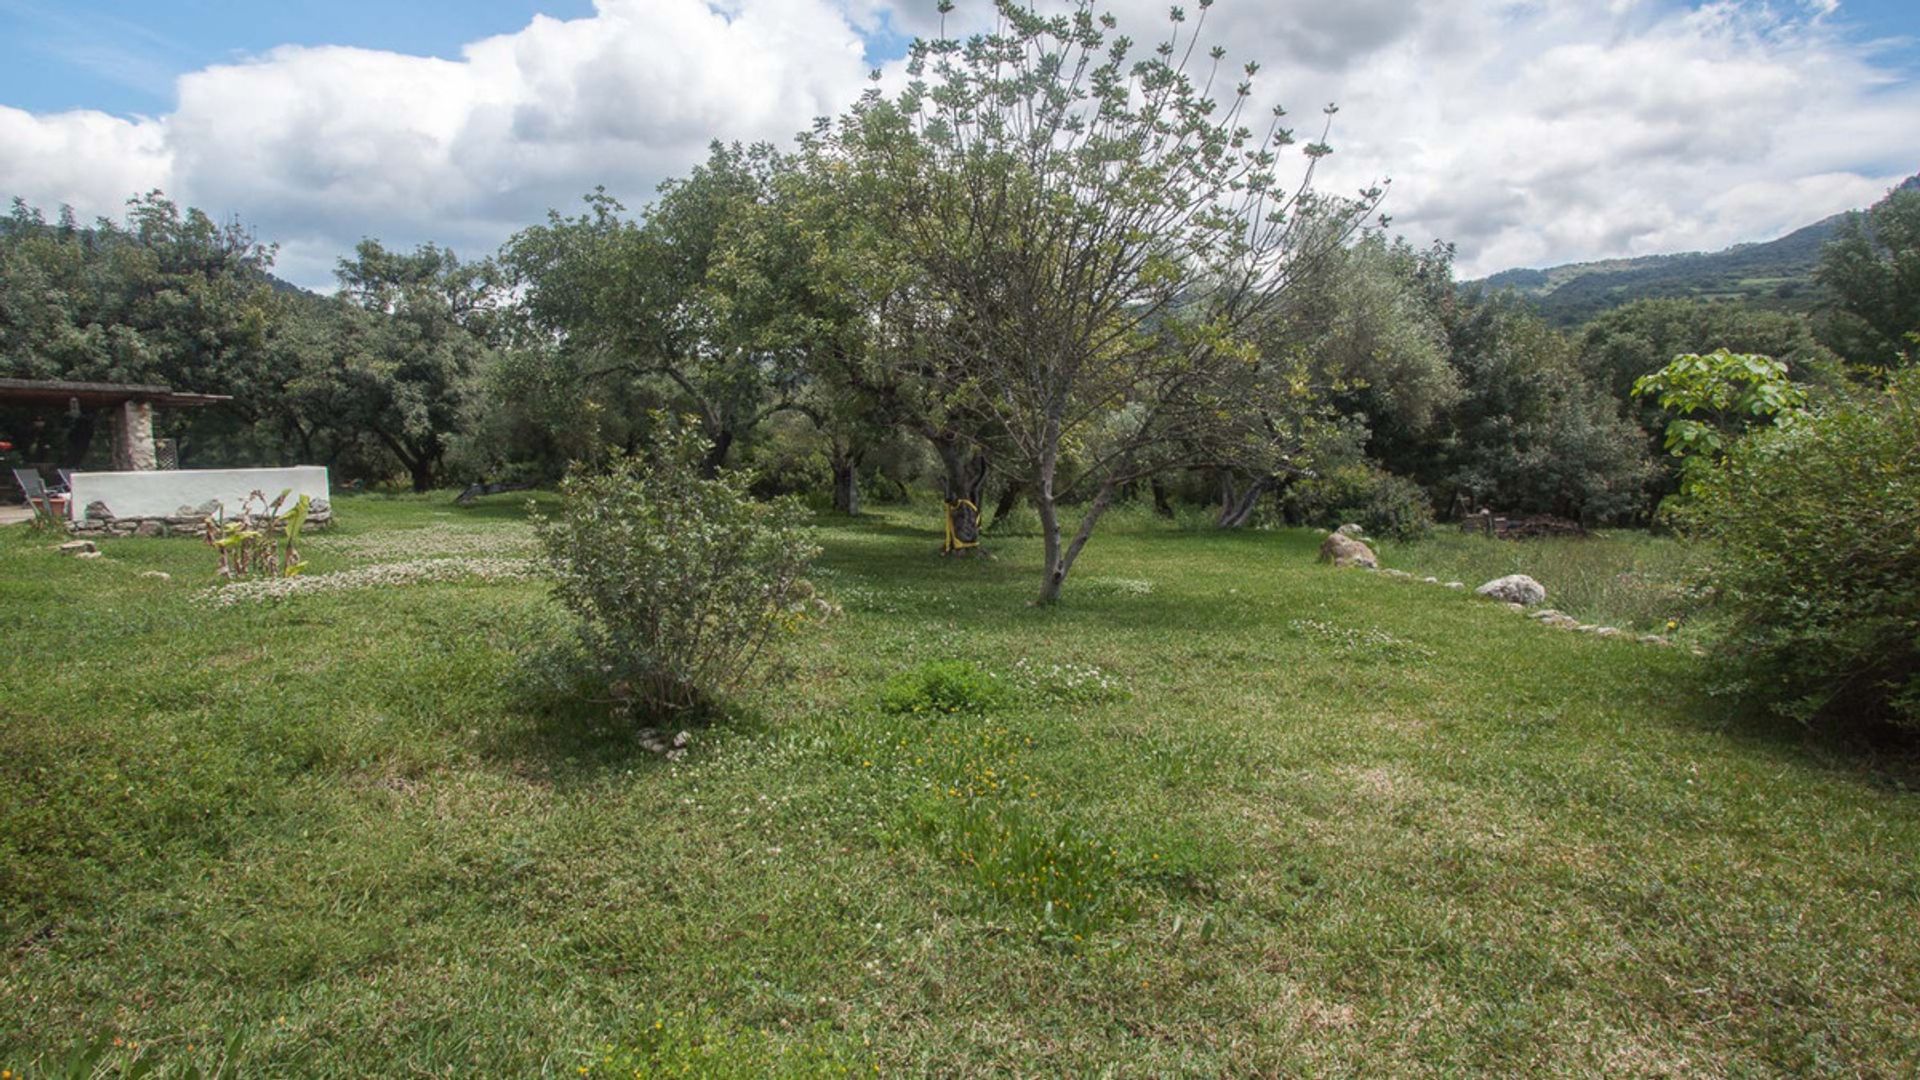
<point>100,521</point>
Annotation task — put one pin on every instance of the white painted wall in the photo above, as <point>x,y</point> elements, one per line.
<point>163,493</point>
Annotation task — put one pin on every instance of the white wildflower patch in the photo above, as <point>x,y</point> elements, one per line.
<point>376,576</point>
<point>1362,640</point>
<point>1068,682</point>
<point>431,541</point>
<point>1114,586</point>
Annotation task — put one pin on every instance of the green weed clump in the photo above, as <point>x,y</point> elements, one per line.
<point>942,687</point>
<point>693,1044</point>
<point>1065,878</point>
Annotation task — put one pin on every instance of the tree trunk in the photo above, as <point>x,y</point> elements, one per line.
<point>717,453</point>
<point>1236,511</point>
<point>1060,562</point>
<point>422,471</point>
<point>1162,505</point>
<point>846,481</point>
<point>1008,500</point>
<point>966,473</point>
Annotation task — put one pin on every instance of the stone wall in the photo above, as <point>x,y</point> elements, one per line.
<point>100,521</point>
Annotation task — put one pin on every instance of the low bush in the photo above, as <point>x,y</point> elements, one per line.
<point>1382,503</point>
<point>678,578</point>
<point>1817,527</point>
<point>942,687</point>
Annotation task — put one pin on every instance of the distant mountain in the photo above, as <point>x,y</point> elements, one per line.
<point>1775,274</point>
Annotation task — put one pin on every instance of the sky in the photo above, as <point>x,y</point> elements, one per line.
<point>1525,132</point>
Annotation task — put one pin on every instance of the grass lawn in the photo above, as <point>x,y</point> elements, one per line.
<point>1224,811</point>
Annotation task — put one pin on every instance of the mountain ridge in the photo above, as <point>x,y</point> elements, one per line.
<point>1776,274</point>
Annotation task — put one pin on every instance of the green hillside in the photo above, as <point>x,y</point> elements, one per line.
<point>1775,274</point>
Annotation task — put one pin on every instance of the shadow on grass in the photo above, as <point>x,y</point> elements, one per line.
<point>1875,755</point>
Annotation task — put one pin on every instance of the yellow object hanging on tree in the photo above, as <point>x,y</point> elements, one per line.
<point>963,526</point>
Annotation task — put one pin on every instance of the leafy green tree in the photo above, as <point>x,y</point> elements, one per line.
<point>1872,267</point>
<point>1530,433</point>
<point>169,297</point>
<point>651,301</point>
<point>1108,238</point>
<point>409,338</point>
<point>1715,398</point>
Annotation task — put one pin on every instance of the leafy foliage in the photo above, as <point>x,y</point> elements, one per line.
<point>1107,239</point>
<point>1872,268</point>
<point>1715,397</point>
<point>1531,434</point>
<point>1817,528</point>
<point>678,579</point>
<point>942,687</point>
<point>1384,504</point>
<point>258,541</point>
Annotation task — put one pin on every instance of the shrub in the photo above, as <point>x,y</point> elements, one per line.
<point>678,578</point>
<point>1817,524</point>
<point>1384,504</point>
<point>942,687</point>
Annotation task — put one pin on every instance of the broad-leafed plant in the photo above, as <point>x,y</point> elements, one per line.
<point>258,541</point>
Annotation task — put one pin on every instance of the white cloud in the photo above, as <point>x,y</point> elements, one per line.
<point>1528,131</point>
<point>87,160</point>
<point>319,146</point>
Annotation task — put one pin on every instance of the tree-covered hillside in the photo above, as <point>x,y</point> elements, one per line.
<point>1775,274</point>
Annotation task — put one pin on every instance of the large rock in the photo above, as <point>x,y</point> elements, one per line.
<point>1514,589</point>
<point>1346,551</point>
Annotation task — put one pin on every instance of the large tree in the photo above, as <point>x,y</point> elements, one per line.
<point>411,333</point>
<point>1109,239</point>
<point>652,300</point>
<point>1872,266</point>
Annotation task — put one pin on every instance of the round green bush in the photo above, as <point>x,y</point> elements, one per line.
<point>1816,527</point>
<point>678,578</point>
<point>1379,501</point>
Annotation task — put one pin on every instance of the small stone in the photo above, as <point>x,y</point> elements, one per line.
<point>89,554</point>
<point>1514,589</point>
<point>1607,631</point>
<point>1655,639</point>
<point>156,575</point>
<point>1431,580</point>
<point>1544,613</point>
<point>1456,585</point>
<point>1517,609</point>
<point>77,547</point>
<point>98,511</point>
<point>1399,575</point>
<point>151,528</point>
<point>1350,529</point>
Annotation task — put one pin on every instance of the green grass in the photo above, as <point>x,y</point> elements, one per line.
<point>1310,821</point>
<point>1633,580</point>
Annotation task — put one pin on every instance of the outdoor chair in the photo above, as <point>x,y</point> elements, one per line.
<point>38,497</point>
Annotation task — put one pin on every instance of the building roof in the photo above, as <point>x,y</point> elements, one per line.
<point>61,391</point>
